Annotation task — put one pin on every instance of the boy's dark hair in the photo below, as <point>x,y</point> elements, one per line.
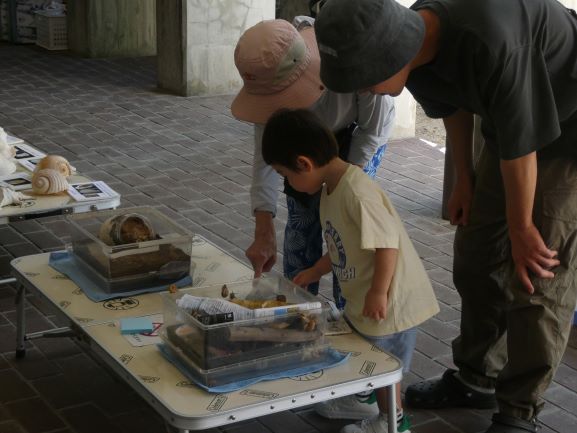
<point>289,134</point>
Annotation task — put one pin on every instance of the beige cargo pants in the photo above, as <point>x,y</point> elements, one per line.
<point>509,339</point>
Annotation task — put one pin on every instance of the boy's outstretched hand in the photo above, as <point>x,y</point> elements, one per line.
<point>314,273</point>
<point>306,277</point>
<point>376,305</point>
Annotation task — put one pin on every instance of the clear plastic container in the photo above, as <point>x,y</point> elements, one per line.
<point>258,367</point>
<point>226,351</point>
<point>163,260</point>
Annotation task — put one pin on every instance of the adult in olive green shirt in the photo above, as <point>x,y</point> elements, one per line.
<point>513,63</point>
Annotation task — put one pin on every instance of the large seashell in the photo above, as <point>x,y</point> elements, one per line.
<point>9,196</point>
<point>126,229</point>
<point>7,166</point>
<point>48,181</point>
<point>56,162</point>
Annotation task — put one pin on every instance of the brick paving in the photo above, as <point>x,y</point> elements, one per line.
<point>190,158</point>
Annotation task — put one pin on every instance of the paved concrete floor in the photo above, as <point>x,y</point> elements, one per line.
<point>190,158</point>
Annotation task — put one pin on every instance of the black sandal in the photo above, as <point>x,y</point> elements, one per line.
<point>508,424</point>
<point>448,391</point>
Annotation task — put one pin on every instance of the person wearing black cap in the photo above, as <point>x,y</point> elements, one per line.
<point>513,64</point>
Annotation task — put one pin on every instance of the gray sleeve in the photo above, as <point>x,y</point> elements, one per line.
<point>303,21</point>
<point>265,181</point>
<point>375,120</point>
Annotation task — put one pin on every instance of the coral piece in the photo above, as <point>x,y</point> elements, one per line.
<point>9,196</point>
<point>48,181</point>
<point>58,163</point>
<point>7,166</point>
<point>7,152</point>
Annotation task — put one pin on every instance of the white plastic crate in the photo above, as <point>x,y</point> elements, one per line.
<point>51,31</point>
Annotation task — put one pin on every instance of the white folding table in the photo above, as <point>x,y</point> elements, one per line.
<point>182,404</point>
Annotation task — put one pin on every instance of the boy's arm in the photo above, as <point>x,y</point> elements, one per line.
<point>376,298</point>
<point>312,275</point>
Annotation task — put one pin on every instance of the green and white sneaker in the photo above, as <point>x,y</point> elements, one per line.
<point>355,407</point>
<point>378,424</point>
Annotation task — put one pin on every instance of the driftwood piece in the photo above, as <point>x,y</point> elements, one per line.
<point>251,333</point>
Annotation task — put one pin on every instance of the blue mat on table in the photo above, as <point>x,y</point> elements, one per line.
<point>65,263</point>
<point>333,358</point>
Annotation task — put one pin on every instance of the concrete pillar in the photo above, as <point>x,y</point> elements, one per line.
<point>112,28</point>
<point>405,105</point>
<point>196,41</point>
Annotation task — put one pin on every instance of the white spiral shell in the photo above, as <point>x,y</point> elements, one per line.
<point>56,162</point>
<point>48,181</point>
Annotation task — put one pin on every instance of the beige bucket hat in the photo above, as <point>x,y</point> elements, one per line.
<point>280,68</point>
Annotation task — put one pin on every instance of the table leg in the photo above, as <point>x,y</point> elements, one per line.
<point>8,281</point>
<point>392,407</point>
<point>20,322</point>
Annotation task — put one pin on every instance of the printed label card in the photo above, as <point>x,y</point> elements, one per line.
<point>24,151</point>
<point>96,190</point>
<point>17,181</point>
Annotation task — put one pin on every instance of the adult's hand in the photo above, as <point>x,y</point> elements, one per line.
<point>530,254</point>
<point>459,127</point>
<point>262,252</point>
<point>460,201</point>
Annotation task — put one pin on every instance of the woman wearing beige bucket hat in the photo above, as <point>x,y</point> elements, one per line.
<point>280,68</point>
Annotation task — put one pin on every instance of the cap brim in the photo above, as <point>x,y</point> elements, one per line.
<point>301,94</point>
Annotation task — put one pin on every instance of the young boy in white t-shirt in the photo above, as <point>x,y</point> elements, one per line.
<point>382,278</point>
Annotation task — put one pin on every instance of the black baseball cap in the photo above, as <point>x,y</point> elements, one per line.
<point>365,42</point>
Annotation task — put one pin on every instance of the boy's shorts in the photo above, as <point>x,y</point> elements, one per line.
<point>402,344</point>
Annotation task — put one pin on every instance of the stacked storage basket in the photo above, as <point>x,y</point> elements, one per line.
<point>51,31</point>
